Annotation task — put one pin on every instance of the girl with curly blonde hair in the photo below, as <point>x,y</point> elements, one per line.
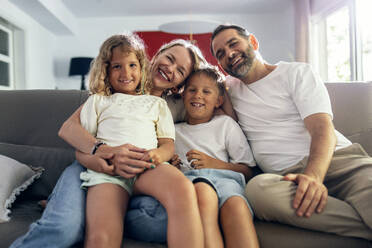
<point>168,69</point>
<point>116,113</point>
<point>98,76</point>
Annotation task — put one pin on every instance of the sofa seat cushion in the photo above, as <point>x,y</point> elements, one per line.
<point>22,216</point>
<point>273,234</point>
<point>53,160</point>
<point>26,212</point>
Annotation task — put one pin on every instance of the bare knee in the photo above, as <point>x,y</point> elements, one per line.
<point>182,186</point>
<point>100,238</point>
<point>270,196</point>
<point>260,187</point>
<point>179,194</point>
<point>236,205</point>
<point>207,198</point>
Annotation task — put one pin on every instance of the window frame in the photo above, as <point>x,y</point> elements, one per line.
<point>319,40</point>
<point>9,59</point>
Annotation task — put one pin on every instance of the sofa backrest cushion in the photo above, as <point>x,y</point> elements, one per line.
<point>28,132</point>
<point>352,110</point>
<point>53,160</point>
<point>33,117</point>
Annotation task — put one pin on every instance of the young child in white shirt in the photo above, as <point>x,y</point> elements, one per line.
<point>214,154</point>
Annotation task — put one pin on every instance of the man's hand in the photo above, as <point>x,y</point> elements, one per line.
<point>126,159</point>
<point>311,194</point>
<point>201,160</point>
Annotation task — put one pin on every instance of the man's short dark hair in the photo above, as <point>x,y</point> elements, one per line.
<point>242,32</point>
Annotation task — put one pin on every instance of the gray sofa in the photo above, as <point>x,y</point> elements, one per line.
<point>28,133</point>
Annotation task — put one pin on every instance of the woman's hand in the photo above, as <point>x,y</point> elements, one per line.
<point>126,160</point>
<point>97,162</point>
<point>102,161</point>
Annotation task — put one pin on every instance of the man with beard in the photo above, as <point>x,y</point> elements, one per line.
<point>285,113</point>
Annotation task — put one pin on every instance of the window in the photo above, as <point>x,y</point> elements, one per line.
<point>364,18</point>
<point>341,40</point>
<point>6,58</point>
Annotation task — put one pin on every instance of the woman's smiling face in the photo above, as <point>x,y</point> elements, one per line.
<point>170,68</point>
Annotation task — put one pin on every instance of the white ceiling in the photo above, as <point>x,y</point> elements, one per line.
<point>61,17</point>
<point>119,8</point>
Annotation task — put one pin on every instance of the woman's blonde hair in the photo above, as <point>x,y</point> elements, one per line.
<point>196,55</point>
<point>99,76</point>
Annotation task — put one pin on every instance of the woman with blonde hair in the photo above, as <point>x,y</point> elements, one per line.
<point>63,219</point>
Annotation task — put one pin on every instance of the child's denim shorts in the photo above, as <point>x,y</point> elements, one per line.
<point>147,219</point>
<point>226,183</point>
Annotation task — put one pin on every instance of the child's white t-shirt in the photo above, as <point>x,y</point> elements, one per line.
<point>128,119</point>
<point>271,113</point>
<point>220,138</point>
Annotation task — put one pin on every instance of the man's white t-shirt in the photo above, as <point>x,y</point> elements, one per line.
<point>271,113</point>
<point>220,138</point>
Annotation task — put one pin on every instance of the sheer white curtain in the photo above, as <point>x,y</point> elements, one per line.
<point>305,10</point>
<point>302,29</point>
<point>322,7</point>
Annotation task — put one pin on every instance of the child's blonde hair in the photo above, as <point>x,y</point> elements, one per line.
<point>196,55</point>
<point>98,75</point>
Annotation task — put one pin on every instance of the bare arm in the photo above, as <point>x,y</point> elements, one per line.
<point>125,158</point>
<point>73,133</point>
<point>311,193</point>
<point>163,153</point>
<point>202,160</point>
<point>242,168</point>
<point>323,143</point>
<point>227,107</point>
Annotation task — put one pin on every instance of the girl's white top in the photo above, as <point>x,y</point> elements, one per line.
<point>134,119</point>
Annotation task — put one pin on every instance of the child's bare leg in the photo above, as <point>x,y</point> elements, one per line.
<point>237,224</point>
<point>177,194</point>
<point>208,208</point>
<point>106,207</point>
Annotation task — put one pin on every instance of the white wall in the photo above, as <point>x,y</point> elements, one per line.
<point>48,56</point>
<point>38,49</point>
<point>275,32</point>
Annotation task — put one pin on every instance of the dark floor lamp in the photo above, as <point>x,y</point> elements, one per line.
<point>80,66</point>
